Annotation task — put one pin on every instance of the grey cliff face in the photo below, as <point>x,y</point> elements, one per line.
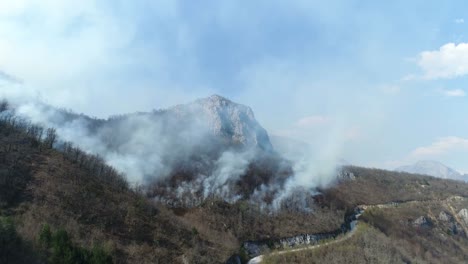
<point>235,123</point>
<point>463,215</point>
<point>443,216</point>
<point>421,221</point>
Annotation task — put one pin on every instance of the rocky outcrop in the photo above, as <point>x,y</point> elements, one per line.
<point>452,225</point>
<point>346,175</point>
<point>256,248</point>
<point>233,122</point>
<point>443,216</point>
<point>463,215</point>
<point>422,221</point>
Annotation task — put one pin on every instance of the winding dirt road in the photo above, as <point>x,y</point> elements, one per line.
<point>349,234</point>
<point>259,259</point>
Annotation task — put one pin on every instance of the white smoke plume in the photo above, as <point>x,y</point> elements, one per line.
<point>149,147</point>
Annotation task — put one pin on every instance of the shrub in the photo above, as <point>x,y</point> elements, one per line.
<point>12,247</point>
<point>9,240</point>
<point>63,251</point>
<point>45,236</point>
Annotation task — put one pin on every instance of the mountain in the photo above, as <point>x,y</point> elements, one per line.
<point>209,147</point>
<point>233,122</point>
<point>432,168</point>
<point>63,205</point>
<point>214,123</point>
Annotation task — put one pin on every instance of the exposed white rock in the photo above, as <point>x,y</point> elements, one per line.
<point>421,221</point>
<point>231,121</point>
<point>463,215</point>
<point>443,216</point>
<point>346,175</point>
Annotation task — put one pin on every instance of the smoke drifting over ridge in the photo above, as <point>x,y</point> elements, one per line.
<point>209,148</point>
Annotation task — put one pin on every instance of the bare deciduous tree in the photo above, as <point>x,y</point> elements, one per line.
<point>51,137</point>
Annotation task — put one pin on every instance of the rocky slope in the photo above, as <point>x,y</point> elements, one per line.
<point>233,122</point>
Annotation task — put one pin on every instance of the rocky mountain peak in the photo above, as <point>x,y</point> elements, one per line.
<point>216,105</point>
<point>234,122</point>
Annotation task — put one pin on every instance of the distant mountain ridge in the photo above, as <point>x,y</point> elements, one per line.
<point>433,168</point>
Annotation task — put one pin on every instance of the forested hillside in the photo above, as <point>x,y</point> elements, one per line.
<point>61,205</point>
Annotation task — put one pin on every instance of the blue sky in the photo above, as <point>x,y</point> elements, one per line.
<point>379,83</point>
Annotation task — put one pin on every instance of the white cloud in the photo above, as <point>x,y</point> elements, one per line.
<point>440,147</point>
<point>444,148</point>
<point>450,61</point>
<point>459,21</point>
<point>73,53</point>
<point>453,92</point>
<point>62,45</point>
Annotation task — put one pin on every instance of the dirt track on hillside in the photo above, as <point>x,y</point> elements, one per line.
<point>349,234</point>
